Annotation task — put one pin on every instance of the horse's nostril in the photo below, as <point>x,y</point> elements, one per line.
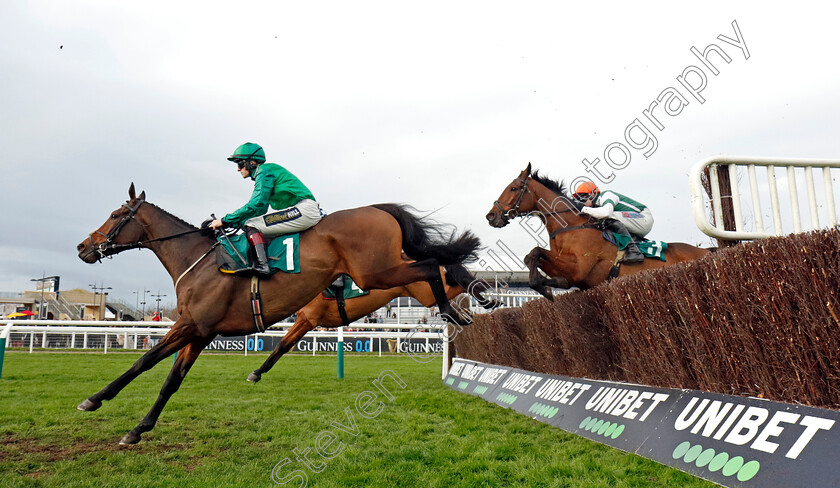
<point>491,216</point>
<point>80,247</point>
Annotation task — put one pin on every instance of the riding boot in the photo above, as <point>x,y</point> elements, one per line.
<point>632,254</point>
<point>338,283</point>
<point>260,266</point>
<point>337,286</point>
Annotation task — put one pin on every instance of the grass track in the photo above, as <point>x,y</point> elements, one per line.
<point>219,430</point>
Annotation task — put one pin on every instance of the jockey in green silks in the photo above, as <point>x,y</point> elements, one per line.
<point>621,214</point>
<point>280,203</point>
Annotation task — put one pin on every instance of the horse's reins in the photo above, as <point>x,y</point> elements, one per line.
<point>109,243</point>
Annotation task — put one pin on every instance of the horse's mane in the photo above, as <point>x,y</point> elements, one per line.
<point>555,186</point>
<point>174,217</point>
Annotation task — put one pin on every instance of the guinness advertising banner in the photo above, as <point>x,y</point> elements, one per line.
<point>730,440</point>
<point>352,343</point>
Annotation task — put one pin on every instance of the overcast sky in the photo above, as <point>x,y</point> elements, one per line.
<point>435,104</point>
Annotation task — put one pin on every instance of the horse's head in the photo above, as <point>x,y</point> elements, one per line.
<point>514,200</point>
<point>535,194</point>
<point>118,233</point>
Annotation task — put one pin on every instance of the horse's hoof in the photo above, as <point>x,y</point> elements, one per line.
<point>129,439</point>
<point>89,406</point>
<point>254,377</point>
<point>544,291</point>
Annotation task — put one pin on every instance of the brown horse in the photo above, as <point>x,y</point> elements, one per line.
<point>321,312</point>
<point>578,255</point>
<point>364,243</point>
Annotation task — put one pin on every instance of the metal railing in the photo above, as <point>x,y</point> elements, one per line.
<point>140,335</point>
<point>820,198</point>
<point>63,307</point>
<point>103,335</point>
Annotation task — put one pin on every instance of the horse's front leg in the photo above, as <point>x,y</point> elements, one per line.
<point>299,329</point>
<point>183,363</point>
<point>540,258</point>
<point>174,340</point>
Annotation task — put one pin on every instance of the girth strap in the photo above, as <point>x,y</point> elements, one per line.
<point>339,302</point>
<point>256,304</point>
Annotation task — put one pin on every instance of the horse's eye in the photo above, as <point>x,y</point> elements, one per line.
<point>113,216</point>
<point>513,188</point>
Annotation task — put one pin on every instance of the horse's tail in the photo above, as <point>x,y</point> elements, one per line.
<point>423,239</point>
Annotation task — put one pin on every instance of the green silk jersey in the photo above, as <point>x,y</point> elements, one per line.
<point>274,185</point>
<point>621,203</point>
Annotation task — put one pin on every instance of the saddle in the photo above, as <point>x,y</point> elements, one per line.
<point>234,253</point>
<point>342,289</point>
<point>350,290</point>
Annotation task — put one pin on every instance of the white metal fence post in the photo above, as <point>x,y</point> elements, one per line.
<point>732,163</point>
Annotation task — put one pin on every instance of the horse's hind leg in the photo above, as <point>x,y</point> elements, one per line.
<point>174,340</point>
<point>301,327</point>
<point>427,270</point>
<point>183,363</point>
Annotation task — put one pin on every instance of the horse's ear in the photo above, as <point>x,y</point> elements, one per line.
<point>142,195</point>
<point>528,169</point>
<point>131,191</point>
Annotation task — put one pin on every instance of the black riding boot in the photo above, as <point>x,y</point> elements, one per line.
<point>337,286</point>
<point>260,267</point>
<point>632,254</point>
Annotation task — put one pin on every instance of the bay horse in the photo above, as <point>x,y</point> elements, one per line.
<point>578,255</point>
<point>322,312</point>
<point>365,243</point>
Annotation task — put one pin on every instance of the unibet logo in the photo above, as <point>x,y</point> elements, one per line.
<point>741,425</point>
<point>714,461</point>
<point>601,427</point>
<point>506,398</point>
<point>544,410</point>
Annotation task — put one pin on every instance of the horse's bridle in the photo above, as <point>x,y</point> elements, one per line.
<point>110,245</point>
<point>513,211</point>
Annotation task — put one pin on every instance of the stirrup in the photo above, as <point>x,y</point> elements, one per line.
<point>250,271</point>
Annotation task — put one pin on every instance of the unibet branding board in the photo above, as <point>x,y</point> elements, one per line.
<point>730,440</point>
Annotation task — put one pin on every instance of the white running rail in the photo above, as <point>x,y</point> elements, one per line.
<point>820,198</point>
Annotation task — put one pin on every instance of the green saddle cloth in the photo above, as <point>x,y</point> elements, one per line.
<point>283,252</point>
<point>351,290</point>
<point>651,249</point>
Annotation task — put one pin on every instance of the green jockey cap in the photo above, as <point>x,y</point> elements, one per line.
<point>246,151</point>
